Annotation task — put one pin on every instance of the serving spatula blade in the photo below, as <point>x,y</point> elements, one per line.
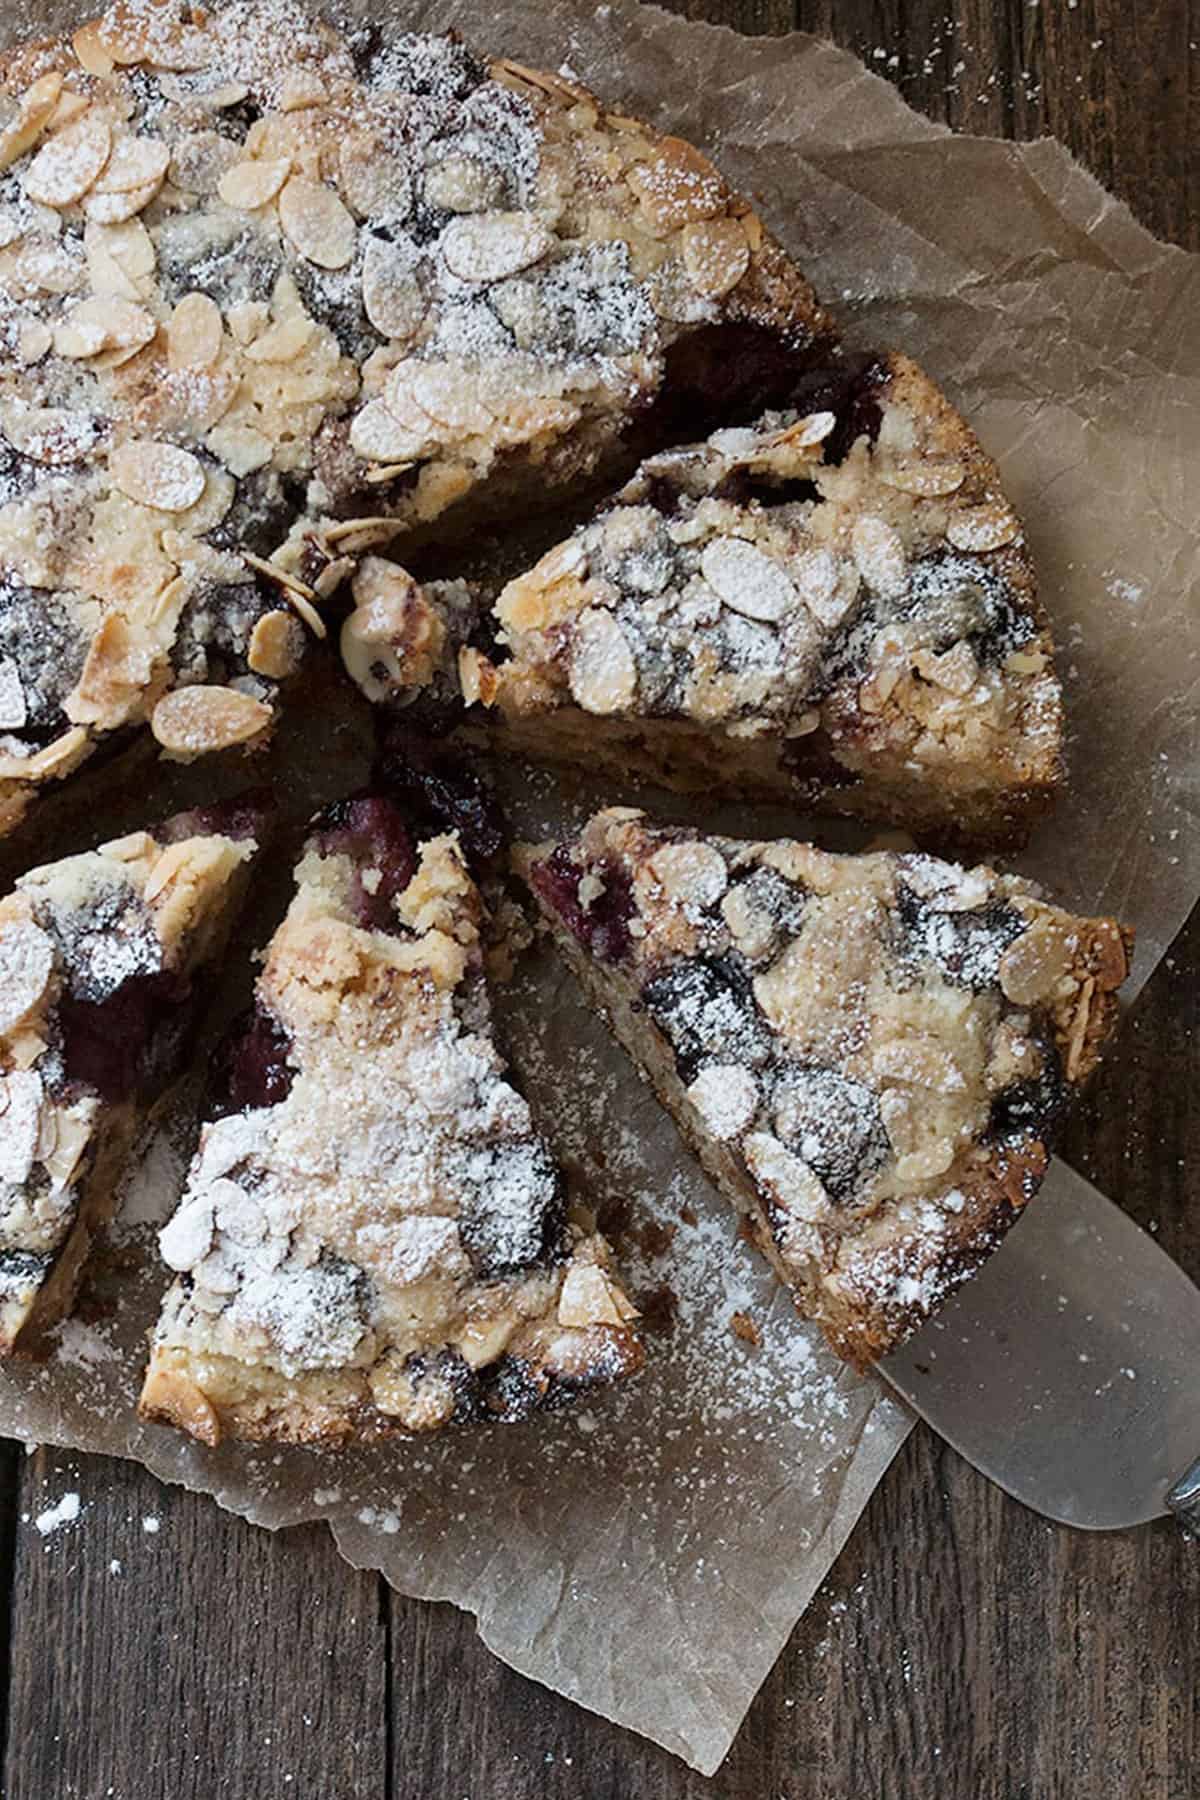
<point>1068,1370</point>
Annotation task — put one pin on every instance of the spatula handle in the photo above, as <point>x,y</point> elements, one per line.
<point>1184,1499</point>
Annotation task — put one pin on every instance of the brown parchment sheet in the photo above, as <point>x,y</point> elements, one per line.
<point>649,1554</point>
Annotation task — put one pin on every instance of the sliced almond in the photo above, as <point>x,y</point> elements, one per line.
<point>878,550</point>
<point>192,721</point>
<point>603,673</point>
<point>120,257</point>
<point>301,88</point>
<point>135,162</point>
<point>114,209</point>
<point>392,296</point>
<point>159,475</point>
<point>690,873</point>
<point>589,1298</point>
<point>56,759</point>
<point>42,267</point>
<point>100,324</point>
<point>986,527</point>
<point>377,435</point>
<point>463,184</point>
<point>65,168</point>
<point>1034,964</point>
<point>494,245</point>
<point>715,255</point>
<point>51,434</point>
<point>677,186</point>
<point>276,645</point>
<point>240,447</point>
<point>194,333</point>
<point>281,343</point>
<point>924,477</point>
<point>444,393</point>
<point>249,185</point>
<point>89,48</point>
<point>67,108</point>
<point>26,965</point>
<point>317,223</point>
<point>374,180</point>
<point>36,105</point>
<point>34,340</point>
<point>747,580</point>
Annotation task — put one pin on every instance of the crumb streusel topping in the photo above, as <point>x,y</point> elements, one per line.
<point>869,1052</point>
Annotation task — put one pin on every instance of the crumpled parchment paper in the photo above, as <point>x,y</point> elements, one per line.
<point>649,1554</point>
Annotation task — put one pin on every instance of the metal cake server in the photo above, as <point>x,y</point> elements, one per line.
<point>1068,1370</point>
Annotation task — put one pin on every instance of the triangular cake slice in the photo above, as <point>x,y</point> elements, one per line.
<point>100,957</point>
<point>835,608</point>
<point>868,1054</point>
<point>274,293</point>
<point>374,1238</point>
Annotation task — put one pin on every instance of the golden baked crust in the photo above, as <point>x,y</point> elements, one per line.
<point>270,294</point>
<point>867,1053</point>
<point>97,955</point>
<point>833,608</point>
<point>373,1238</point>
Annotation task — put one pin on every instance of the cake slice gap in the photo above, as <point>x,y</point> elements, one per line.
<point>374,1239</point>
<point>834,608</point>
<point>100,958</point>
<point>869,1054</point>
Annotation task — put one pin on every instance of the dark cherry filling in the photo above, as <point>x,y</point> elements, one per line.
<point>246,815</point>
<point>250,1068</point>
<point>1033,1107</point>
<point>440,790</point>
<point>134,1035</point>
<point>744,487</point>
<point>723,375</point>
<point>965,947</point>
<point>853,390</point>
<point>603,927</point>
<point>369,830</point>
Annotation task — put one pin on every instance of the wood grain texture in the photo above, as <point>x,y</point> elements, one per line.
<point>961,1646</point>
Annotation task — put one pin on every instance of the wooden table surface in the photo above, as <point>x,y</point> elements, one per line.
<point>961,1647</point>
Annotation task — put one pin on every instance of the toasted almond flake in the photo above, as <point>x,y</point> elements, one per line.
<point>63,752</point>
<point>726,1097</point>
<point>392,296</point>
<point>374,180</point>
<point>66,166</point>
<point>297,592</point>
<point>157,474</point>
<point>955,670</point>
<point>51,434</point>
<point>878,549</point>
<point>89,49</point>
<point>67,107</point>
<point>986,527</point>
<point>301,88</point>
<point>377,435</point>
<point>690,873</point>
<point>135,162</point>
<point>249,185</point>
<point>194,333</point>
<point>589,1298</point>
<point>36,105</point>
<point>192,721</point>
<point>102,323</point>
<point>241,448</point>
<point>120,257</point>
<point>715,255</point>
<point>26,965</point>
<point>34,340</point>
<point>446,394</point>
<point>386,472</point>
<point>494,245</point>
<point>677,186</point>
<point>924,477</point>
<point>747,580</point>
<point>281,343</point>
<point>114,209</point>
<point>276,646</point>
<point>463,184</point>
<point>43,267</point>
<point>1034,963</point>
<point>925,1165</point>
<point>317,223</point>
<point>603,674</point>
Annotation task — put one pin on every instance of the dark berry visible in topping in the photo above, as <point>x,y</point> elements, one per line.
<point>745,487</point>
<point>131,1038</point>
<point>441,790</point>
<point>964,947</point>
<point>1032,1107</point>
<point>44,649</point>
<point>369,830</point>
<point>23,1269</point>
<point>723,374</point>
<point>245,816</point>
<point>706,1008</point>
<point>601,927</point>
<point>852,389</point>
<point>512,1205</point>
<point>251,1068</point>
<point>834,1124</point>
<point>956,596</point>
